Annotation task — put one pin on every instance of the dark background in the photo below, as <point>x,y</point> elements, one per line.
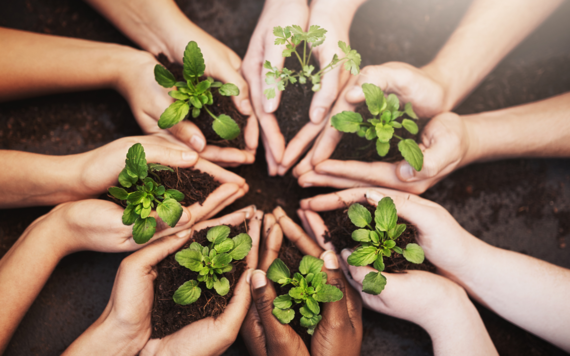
<point>522,205</point>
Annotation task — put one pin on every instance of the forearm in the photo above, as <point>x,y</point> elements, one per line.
<point>36,64</point>
<point>539,129</point>
<point>488,32</point>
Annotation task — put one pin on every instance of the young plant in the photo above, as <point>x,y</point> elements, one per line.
<point>195,94</point>
<point>146,194</point>
<point>379,242</point>
<point>211,262</point>
<point>292,36</point>
<point>385,112</point>
<point>309,287</point>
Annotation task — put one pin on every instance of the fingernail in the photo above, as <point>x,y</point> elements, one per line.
<point>248,213</point>
<point>331,262</point>
<point>307,185</point>
<point>197,143</point>
<point>183,233</point>
<point>374,195</point>
<point>345,253</point>
<point>248,275</point>
<point>269,106</point>
<point>189,156</point>
<point>246,106</point>
<point>406,171</point>
<point>258,279</point>
<point>356,92</point>
<point>318,115</point>
<point>279,212</point>
<point>184,219</point>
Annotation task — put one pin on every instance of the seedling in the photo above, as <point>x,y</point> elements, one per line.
<point>292,36</point>
<point>385,112</point>
<point>309,287</point>
<point>379,242</point>
<point>146,195</point>
<point>195,94</point>
<point>211,262</point>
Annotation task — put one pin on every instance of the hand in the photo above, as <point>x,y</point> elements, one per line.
<point>125,323</point>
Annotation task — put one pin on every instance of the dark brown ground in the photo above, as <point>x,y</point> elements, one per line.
<point>195,185</point>
<point>222,105</point>
<point>168,317</point>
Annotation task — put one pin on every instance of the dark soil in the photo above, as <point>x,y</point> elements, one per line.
<point>195,185</point>
<point>340,228</point>
<point>293,111</point>
<point>222,105</point>
<point>168,317</point>
<point>353,147</point>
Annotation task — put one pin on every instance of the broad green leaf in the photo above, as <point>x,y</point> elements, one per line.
<point>370,133</point>
<point>393,103</point>
<point>195,101</point>
<point>362,131</point>
<point>361,235</point>
<point>174,194</point>
<point>126,180</point>
<point>397,231</point>
<point>318,279</point>
<point>396,125</point>
<point>187,293</point>
<point>313,305</point>
<point>386,215</point>
<point>362,256</point>
<point>156,167</point>
<point>278,270</point>
<point>374,98</point>
<point>269,93</point>
<point>347,121</point>
<point>398,250</point>
<point>283,302</point>
<point>306,312</point>
<point>178,95</point>
<point>136,197</point>
<point>229,89</point>
<point>410,111</point>
<point>218,233</point>
<point>359,215</point>
<point>129,215</point>
<point>196,247</point>
<point>118,193</point>
<point>414,253</point>
<point>384,132</point>
<point>202,87</point>
<point>374,237</point>
<point>145,212</point>
<point>226,127</point>
<point>410,126</point>
<point>386,117</point>
<point>379,263</point>
<point>389,244</point>
<point>221,260</point>
<point>163,76</point>
<point>159,190</point>
<point>190,258</point>
<point>310,264</point>
<point>412,153</point>
<point>328,293</point>
<point>144,229</point>
<point>175,113</point>
<point>242,246</point>
<point>169,211</point>
<point>136,162</point>
<point>222,286</point>
<point>195,112</point>
<point>382,148</point>
<point>284,315</point>
<point>224,246</point>
<point>297,293</point>
<point>194,65</point>
<point>209,282</point>
<point>181,85</point>
<point>373,283</point>
<point>310,322</point>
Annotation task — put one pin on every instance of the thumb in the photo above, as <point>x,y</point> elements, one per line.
<point>331,83</point>
<point>227,74</point>
<point>232,318</point>
<point>149,256</point>
<point>170,156</point>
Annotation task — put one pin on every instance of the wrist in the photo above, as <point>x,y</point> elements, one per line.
<point>439,76</point>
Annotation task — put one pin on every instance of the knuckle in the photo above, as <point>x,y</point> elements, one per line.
<point>263,304</point>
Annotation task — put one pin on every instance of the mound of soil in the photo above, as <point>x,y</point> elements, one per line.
<point>195,185</point>
<point>222,105</point>
<point>353,147</point>
<point>340,228</point>
<point>167,317</point>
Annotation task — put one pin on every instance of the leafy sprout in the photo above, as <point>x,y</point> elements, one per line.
<point>195,94</point>
<point>146,195</point>
<point>309,287</point>
<point>211,262</point>
<point>385,112</point>
<point>379,242</point>
<point>292,36</point>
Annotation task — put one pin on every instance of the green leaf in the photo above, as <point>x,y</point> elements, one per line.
<point>359,215</point>
<point>226,127</point>
<point>362,256</point>
<point>410,111</point>
<point>136,162</point>
<point>218,233</point>
<point>384,132</point>
<point>187,293</point>
<point>195,101</point>
<point>414,253</point>
<point>145,212</point>
<point>159,167</point>
<point>126,180</point>
<point>284,315</point>
<point>129,215</point>
<point>175,113</point>
<point>313,305</point>
<point>389,244</point>
<point>318,279</point>
<point>398,250</point>
<point>221,260</point>
<point>222,286</point>
<point>370,133</point>
<point>178,95</point>
<point>174,194</point>
<point>412,153</point>
<point>144,229</point>
<point>224,246</point>
<point>202,87</point>
<point>306,312</point>
<point>386,215</point>
<point>283,302</point>
<point>169,211</point>
<point>386,117</point>
<point>277,271</point>
<point>374,237</point>
<point>196,247</point>
<point>362,131</point>
<point>396,125</point>
<point>195,112</point>
<point>194,65</point>
<point>327,294</point>
<point>269,93</point>
<point>310,264</point>
<point>297,293</point>
<point>190,258</point>
<point>163,76</point>
<point>397,231</point>
<point>118,193</point>
<point>374,98</point>
<point>373,283</point>
<point>229,89</point>
<point>361,235</point>
<point>136,197</point>
<point>353,62</point>
<point>410,126</point>
<point>344,47</point>
<point>310,322</point>
<point>181,85</point>
<point>382,148</point>
<point>347,121</point>
<point>393,103</point>
<point>242,246</point>
<point>379,263</point>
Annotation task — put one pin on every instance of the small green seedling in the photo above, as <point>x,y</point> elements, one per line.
<point>146,195</point>
<point>292,36</point>
<point>381,126</point>
<point>309,287</point>
<point>195,94</point>
<point>379,242</point>
<point>211,262</point>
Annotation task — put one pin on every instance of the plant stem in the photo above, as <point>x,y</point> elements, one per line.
<point>401,139</point>
<point>304,53</point>
<point>212,115</point>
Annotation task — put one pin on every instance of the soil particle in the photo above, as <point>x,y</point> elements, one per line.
<point>195,185</point>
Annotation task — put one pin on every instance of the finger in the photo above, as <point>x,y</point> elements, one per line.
<point>268,222</point>
<point>187,132</point>
<point>231,319</point>
<point>333,201</point>
<point>224,203</point>
<point>253,334</point>
<point>251,134</point>
<point>254,232</point>
<point>314,179</point>
<point>270,247</point>
<point>147,258</point>
<point>325,97</point>
<point>226,155</point>
<point>305,164</point>
<point>272,164</point>
<point>221,175</point>
<point>169,156</point>
<point>306,226</point>
<point>318,226</point>
<point>227,74</point>
<point>298,145</point>
<point>235,218</point>
<point>263,294</point>
<point>218,197</point>
<point>296,235</point>
<point>273,54</point>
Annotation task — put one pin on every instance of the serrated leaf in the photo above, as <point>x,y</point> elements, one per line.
<point>221,260</point>
<point>347,121</point>
<point>410,111</point>
<point>319,279</point>
<point>386,215</point>
<point>297,293</point>
<point>374,98</point>
<point>229,89</point>
<point>384,132</point>
<point>283,302</point>
<point>226,127</point>
<point>393,104</point>
<point>129,215</point>
<point>190,258</point>
<point>397,231</point>
<point>156,167</point>
<point>222,286</point>
<point>278,271</point>
<point>175,113</point>
<point>410,126</point>
<point>373,283</point>
<point>136,198</point>
<point>328,294</point>
<point>414,253</point>
<point>310,264</point>
<point>118,193</point>
<point>196,247</point>
<point>174,194</point>
<point>126,180</point>
<point>169,211</point>
<point>145,212</point>
<point>242,246</point>
<point>218,233</point>
<point>359,215</point>
<point>361,235</point>
<point>379,263</point>
<point>194,65</point>
<point>284,315</point>
<point>382,148</point>
<point>344,47</point>
<point>313,305</point>
<point>412,153</point>
<point>269,93</point>
<point>187,293</point>
<point>224,246</point>
<point>362,256</point>
<point>144,229</point>
<point>136,162</point>
<point>163,76</point>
